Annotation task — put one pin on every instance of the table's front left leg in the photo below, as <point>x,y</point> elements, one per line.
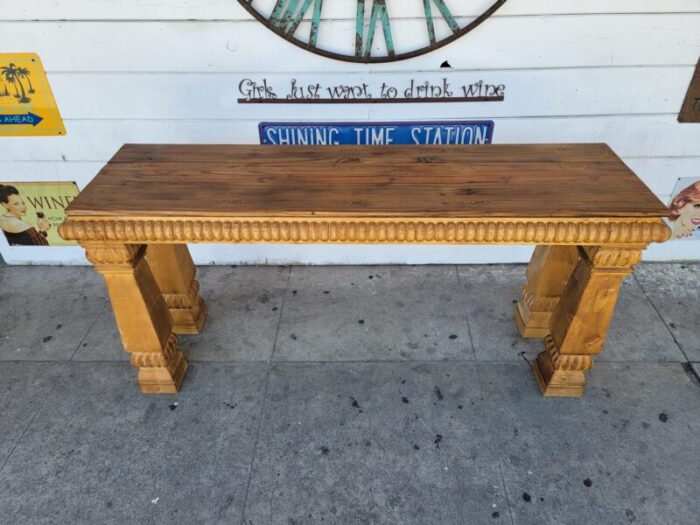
<point>143,319</point>
<point>174,271</point>
<point>580,321</point>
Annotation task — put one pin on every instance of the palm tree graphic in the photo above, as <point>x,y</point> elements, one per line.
<point>13,75</point>
<point>10,73</point>
<point>23,72</point>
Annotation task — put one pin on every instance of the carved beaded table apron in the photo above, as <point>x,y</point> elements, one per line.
<point>588,214</point>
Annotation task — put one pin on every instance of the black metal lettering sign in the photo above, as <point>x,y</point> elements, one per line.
<point>302,23</point>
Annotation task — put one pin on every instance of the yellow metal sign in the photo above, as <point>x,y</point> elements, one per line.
<point>27,106</point>
<point>31,212</point>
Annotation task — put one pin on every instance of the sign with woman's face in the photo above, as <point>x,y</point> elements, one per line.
<point>30,212</point>
<point>684,210</point>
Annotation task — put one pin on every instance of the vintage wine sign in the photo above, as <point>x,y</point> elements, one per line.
<point>348,29</point>
<point>376,133</point>
<point>27,105</point>
<point>31,212</point>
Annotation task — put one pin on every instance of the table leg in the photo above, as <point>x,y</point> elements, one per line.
<point>143,319</point>
<point>546,277</point>
<point>174,271</point>
<point>580,321</point>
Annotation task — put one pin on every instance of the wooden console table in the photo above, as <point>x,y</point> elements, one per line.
<point>588,214</point>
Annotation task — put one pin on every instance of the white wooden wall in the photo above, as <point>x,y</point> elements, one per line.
<point>612,71</point>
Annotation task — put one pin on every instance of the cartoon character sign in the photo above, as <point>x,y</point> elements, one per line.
<point>684,210</point>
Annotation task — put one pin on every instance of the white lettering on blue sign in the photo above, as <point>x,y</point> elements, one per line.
<point>323,134</point>
<point>301,135</point>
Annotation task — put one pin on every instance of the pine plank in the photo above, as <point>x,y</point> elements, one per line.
<point>537,181</point>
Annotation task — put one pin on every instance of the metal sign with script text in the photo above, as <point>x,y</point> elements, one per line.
<point>376,133</point>
<point>27,106</point>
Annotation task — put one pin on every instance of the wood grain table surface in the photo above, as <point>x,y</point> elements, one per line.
<point>570,180</point>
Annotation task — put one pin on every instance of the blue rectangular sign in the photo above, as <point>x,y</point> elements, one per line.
<point>376,133</point>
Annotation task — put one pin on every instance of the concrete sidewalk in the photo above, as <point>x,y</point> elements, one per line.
<point>347,395</point>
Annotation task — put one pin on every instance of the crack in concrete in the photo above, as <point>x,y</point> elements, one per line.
<point>264,399</point>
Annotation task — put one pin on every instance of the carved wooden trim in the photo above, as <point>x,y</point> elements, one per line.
<point>168,357</point>
<point>102,255</point>
<point>568,363</point>
<point>604,257</point>
<point>161,372</point>
<point>368,230</point>
<point>560,375</point>
<point>181,300</point>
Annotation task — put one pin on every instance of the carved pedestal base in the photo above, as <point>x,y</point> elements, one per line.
<point>160,372</point>
<point>187,310</point>
<point>580,321</point>
<point>143,318</point>
<point>560,376</point>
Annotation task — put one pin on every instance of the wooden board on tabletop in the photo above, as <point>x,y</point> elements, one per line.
<point>577,181</point>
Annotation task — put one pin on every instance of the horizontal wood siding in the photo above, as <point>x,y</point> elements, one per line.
<point>227,10</point>
<point>160,71</point>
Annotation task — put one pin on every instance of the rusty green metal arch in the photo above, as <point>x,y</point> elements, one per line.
<point>282,29</point>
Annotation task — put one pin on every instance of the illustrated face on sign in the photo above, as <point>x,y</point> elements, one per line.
<point>349,29</point>
<point>685,211</point>
<point>14,205</point>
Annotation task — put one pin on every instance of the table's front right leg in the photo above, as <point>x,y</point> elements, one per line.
<point>580,321</point>
<point>144,322</point>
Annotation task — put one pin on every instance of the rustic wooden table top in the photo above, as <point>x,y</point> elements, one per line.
<point>538,181</point>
